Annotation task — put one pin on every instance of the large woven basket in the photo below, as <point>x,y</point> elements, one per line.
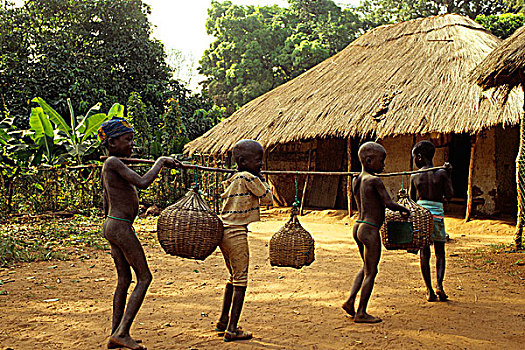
<point>189,228</point>
<point>412,232</point>
<point>292,245</point>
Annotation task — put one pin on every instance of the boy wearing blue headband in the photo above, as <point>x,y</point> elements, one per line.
<point>121,204</point>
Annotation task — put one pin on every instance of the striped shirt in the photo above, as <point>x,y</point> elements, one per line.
<point>243,194</point>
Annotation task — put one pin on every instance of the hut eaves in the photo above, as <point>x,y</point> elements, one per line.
<point>503,65</point>
<point>405,78</point>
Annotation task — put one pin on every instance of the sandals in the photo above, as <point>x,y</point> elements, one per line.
<point>441,294</point>
<point>220,328</point>
<point>237,335</point>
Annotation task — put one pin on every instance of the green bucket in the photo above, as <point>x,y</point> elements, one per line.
<point>400,232</point>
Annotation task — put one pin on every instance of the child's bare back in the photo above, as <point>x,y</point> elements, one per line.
<point>430,189</point>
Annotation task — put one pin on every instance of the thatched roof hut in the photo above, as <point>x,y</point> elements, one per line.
<point>399,79</point>
<point>505,65</point>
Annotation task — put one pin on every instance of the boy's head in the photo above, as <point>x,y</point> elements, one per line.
<point>117,135</point>
<point>423,152</point>
<point>248,155</point>
<point>372,157</point>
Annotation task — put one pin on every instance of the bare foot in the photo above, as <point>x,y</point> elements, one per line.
<point>349,308</point>
<point>366,318</point>
<point>112,345</point>
<point>441,294</point>
<point>431,296</point>
<point>124,342</point>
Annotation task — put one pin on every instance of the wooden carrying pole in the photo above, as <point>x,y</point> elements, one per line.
<point>280,172</point>
<point>470,197</point>
<point>303,197</point>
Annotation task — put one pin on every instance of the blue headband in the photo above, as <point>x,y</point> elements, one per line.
<point>114,128</point>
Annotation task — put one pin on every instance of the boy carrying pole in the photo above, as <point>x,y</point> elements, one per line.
<point>121,204</point>
<point>430,189</point>
<point>372,198</point>
<point>245,191</point>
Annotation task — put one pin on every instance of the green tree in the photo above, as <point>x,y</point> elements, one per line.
<point>503,25</point>
<point>377,12</point>
<point>258,48</point>
<point>138,117</point>
<point>89,50</point>
<point>516,5</point>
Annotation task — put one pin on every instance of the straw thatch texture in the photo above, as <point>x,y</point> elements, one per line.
<point>502,66</point>
<point>404,78</point>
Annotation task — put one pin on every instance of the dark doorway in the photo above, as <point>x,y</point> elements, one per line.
<point>330,156</point>
<point>459,158</point>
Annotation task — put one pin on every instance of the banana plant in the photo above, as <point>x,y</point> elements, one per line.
<point>13,150</point>
<point>75,136</point>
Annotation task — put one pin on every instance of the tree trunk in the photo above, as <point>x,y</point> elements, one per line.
<point>349,191</point>
<point>470,198</point>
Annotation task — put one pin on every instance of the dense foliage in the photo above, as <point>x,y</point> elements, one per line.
<point>259,48</point>
<point>89,51</point>
<point>387,11</point>
<point>502,25</point>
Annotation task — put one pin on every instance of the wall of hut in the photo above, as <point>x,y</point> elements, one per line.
<point>507,146</point>
<point>289,156</point>
<point>493,181</point>
<point>315,155</point>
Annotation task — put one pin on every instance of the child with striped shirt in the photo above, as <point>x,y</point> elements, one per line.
<point>245,191</point>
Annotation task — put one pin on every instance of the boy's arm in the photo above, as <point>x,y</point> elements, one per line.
<point>413,190</point>
<point>258,187</point>
<point>142,182</point>
<point>385,197</point>
<point>447,179</point>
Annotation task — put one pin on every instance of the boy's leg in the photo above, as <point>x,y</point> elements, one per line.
<point>132,250</point>
<point>233,333</point>
<point>348,306</point>
<point>372,253</point>
<point>238,260</point>
<point>225,247</point>
<point>226,306</point>
<point>424,260</point>
<point>439,248</point>
<point>121,292</point>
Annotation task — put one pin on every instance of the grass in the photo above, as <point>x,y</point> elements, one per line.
<point>49,238</point>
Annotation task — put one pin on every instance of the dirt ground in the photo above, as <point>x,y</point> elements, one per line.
<point>67,304</point>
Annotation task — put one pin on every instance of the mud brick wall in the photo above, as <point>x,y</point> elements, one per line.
<point>397,159</point>
<point>484,180</point>
<point>507,145</point>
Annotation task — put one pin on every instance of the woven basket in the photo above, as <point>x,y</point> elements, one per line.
<point>292,245</point>
<point>412,232</point>
<point>189,228</point>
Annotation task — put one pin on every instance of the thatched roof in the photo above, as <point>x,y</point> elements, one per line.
<point>404,78</point>
<point>502,66</point>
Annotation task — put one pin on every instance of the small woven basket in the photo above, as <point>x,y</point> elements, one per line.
<point>292,245</point>
<point>189,228</point>
<point>410,233</point>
